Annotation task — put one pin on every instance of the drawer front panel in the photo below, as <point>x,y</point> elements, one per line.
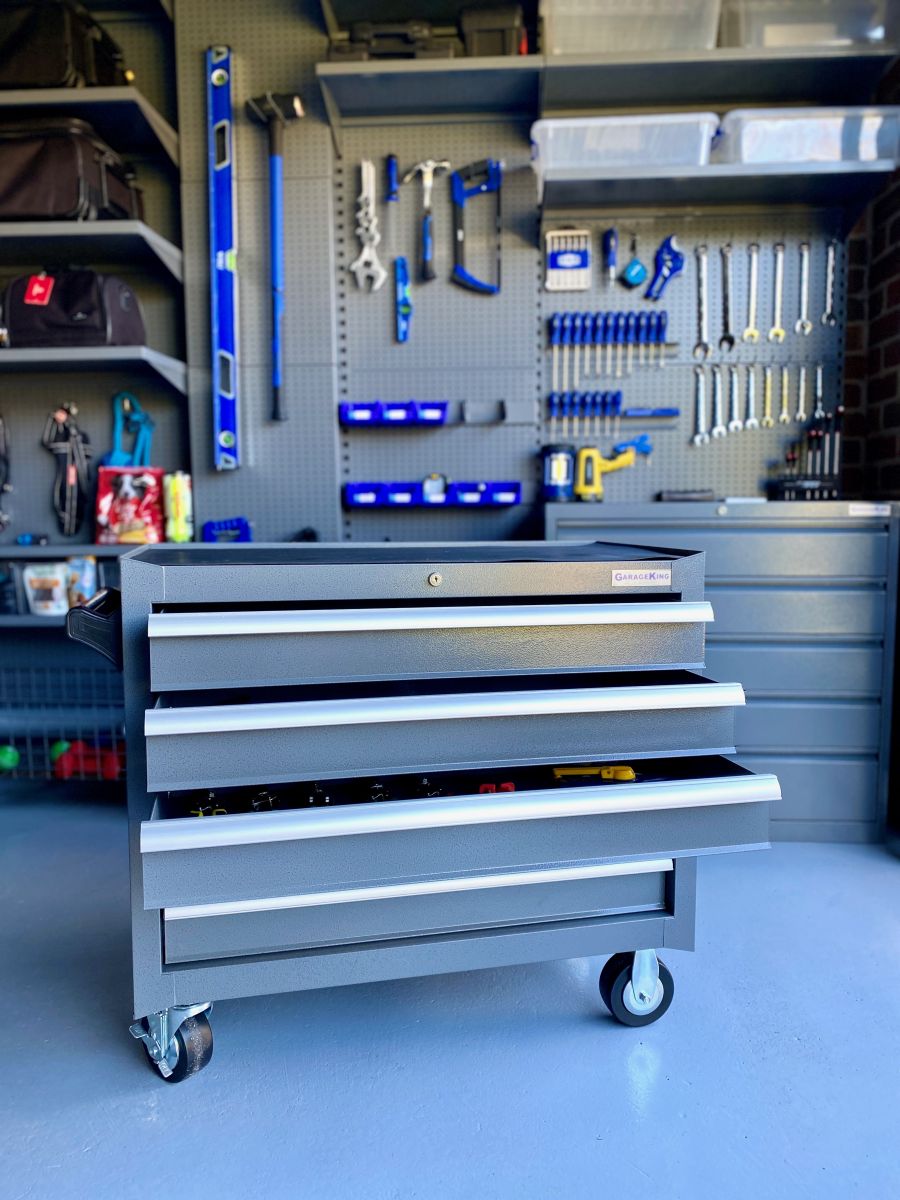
<point>214,860</point>
<point>245,757</point>
<point>293,923</point>
<point>260,649</point>
<point>791,612</point>
<point>799,670</point>
<point>809,725</point>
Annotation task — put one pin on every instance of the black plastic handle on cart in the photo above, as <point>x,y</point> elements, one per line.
<point>98,624</point>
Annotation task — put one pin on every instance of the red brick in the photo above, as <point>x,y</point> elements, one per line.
<point>884,329</point>
<point>883,388</point>
<point>893,293</point>
<point>886,206</point>
<point>873,361</point>
<point>876,303</point>
<point>885,268</point>
<point>854,395</point>
<point>855,424</point>
<point>856,309</point>
<point>894,232</point>
<point>855,367</point>
<point>851,481</point>
<point>890,416</point>
<point>889,481</point>
<point>856,337</point>
<point>890,353</point>
<point>858,248</point>
<point>879,242</point>
<point>882,448</point>
<point>856,281</point>
<point>852,451</point>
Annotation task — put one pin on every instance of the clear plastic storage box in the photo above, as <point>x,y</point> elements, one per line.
<point>810,135</point>
<point>775,23</point>
<point>604,143</point>
<point>614,26</point>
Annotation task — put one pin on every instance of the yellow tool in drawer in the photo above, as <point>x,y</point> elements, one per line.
<point>618,774</point>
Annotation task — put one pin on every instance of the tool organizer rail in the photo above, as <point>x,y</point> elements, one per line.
<point>370,762</point>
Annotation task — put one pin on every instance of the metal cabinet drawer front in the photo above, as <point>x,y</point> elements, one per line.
<point>243,857</point>
<point>245,744</point>
<point>388,911</point>
<point>850,613</point>
<point>270,648</point>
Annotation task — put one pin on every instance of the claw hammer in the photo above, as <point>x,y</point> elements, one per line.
<point>427,168</point>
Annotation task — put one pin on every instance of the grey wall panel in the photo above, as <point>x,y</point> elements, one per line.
<point>798,670</point>
<point>815,788</point>
<point>808,725</point>
<point>774,613</point>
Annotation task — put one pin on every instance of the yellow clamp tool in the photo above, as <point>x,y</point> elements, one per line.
<point>618,774</point>
<point>591,466</point>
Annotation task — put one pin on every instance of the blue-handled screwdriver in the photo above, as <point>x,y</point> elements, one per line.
<point>663,329</point>
<point>553,411</point>
<point>643,335</point>
<point>577,332</point>
<point>619,336</point>
<point>631,321</point>
<point>566,339</point>
<point>615,408</point>
<point>566,407</point>
<point>598,341</point>
<point>555,338</point>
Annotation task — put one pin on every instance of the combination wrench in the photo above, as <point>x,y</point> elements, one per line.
<point>735,424</point>
<point>776,333</point>
<point>828,316</point>
<point>804,325</point>
<point>819,410</point>
<point>750,421</point>
<point>718,429</point>
<point>800,414</point>
<point>751,333</point>
<point>702,350</point>
<point>727,340</point>
<point>767,419</point>
<point>701,434</point>
<point>784,416</point>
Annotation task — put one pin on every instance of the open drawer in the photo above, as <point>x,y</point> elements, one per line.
<point>278,646</point>
<point>268,882</point>
<point>438,725</point>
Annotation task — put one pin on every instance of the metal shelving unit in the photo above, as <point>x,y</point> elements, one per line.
<point>100,241</point>
<point>121,115</point>
<point>98,358</point>
<point>10,550</point>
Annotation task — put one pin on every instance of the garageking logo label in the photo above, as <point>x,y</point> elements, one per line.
<point>649,577</point>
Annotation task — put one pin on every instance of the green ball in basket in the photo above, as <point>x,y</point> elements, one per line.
<point>9,758</point>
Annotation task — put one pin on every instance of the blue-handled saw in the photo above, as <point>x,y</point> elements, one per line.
<point>477,179</point>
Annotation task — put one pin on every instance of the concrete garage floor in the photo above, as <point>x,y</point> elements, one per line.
<point>776,1073</point>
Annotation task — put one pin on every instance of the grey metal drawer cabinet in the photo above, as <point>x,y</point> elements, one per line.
<point>399,731</point>
<point>266,647</point>
<point>265,675</point>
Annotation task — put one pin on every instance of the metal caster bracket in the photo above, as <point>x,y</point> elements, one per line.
<point>645,991</point>
<point>159,1036</point>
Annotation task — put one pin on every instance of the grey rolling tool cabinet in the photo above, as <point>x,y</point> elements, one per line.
<point>467,756</point>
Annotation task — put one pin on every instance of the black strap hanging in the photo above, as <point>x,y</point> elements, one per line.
<point>63,438</point>
<point>5,485</point>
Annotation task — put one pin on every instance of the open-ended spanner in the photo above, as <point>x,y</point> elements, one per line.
<point>718,428</point>
<point>727,340</point>
<point>767,419</point>
<point>750,421</point>
<point>776,333</point>
<point>819,410</point>
<point>784,415</point>
<point>804,325</point>
<point>701,434</point>
<point>828,316</point>
<point>751,333</point>
<point>735,424</point>
<point>800,414</point>
<point>702,350</point>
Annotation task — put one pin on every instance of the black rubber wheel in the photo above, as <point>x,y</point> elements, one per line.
<point>616,977</point>
<point>194,1040</point>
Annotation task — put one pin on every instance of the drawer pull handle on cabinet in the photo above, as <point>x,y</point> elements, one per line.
<point>428,887</point>
<point>371,620</point>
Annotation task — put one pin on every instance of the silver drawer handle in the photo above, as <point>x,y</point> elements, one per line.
<point>244,829</point>
<point>429,887</point>
<point>369,620</point>
<point>381,710</point>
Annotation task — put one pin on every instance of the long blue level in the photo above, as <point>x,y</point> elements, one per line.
<point>223,260</point>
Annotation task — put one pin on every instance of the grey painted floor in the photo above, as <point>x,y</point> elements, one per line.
<point>776,1072</point>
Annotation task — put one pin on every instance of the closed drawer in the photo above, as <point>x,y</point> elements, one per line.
<point>407,728</point>
<point>849,613</point>
<point>261,857</point>
<point>277,647</point>
<point>390,911</point>
<point>801,725</point>
<point>790,670</point>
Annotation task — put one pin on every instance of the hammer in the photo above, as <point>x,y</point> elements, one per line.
<point>274,110</point>
<point>428,168</point>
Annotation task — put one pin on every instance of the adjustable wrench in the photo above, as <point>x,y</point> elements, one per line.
<point>800,414</point>
<point>727,340</point>
<point>702,350</point>
<point>751,333</point>
<point>701,435</point>
<point>803,324</point>
<point>784,416</point>
<point>718,430</point>
<point>750,421</point>
<point>828,316</point>
<point>735,424</point>
<point>776,333</point>
<point>767,419</point>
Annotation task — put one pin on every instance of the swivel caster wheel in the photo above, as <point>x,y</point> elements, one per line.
<point>636,988</point>
<point>178,1042</point>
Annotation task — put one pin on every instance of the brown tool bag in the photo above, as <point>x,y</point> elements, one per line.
<point>57,168</point>
<point>56,43</point>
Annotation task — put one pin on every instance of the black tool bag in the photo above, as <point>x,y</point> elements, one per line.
<point>71,308</point>
<point>57,168</point>
<point>56,43</point>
